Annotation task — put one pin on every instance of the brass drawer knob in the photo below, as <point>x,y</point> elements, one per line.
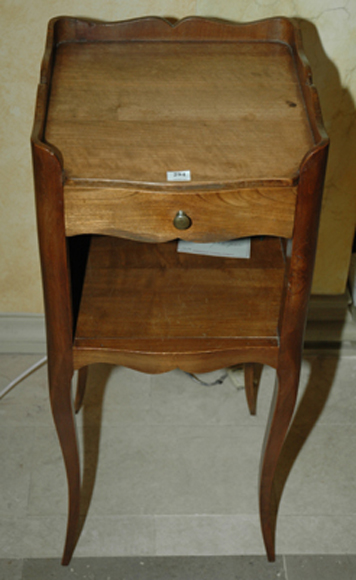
<point>182,221</point>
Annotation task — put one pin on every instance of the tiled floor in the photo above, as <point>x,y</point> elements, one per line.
<point>171,468</point>
<point>183,568</point>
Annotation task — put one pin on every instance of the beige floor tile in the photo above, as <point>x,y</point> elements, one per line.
<point>101,536</point>
<point>11,365</point>
<point>171,467</point>
<point>177,400</point>
<point>43,536</point>
<point>11,569</point>
<point>159,470</point>
<point>206,535</point>
<point>27,403</point>
<point>329,394</point>
<point>115,396</point>
<point>241,534</point>
<point>323,478</point>
<point>11,534</point>
<point>118,536</point>
<point>316,534</point>
<point>48,487</point>
<point>133,465</point>
<point>16,444</point>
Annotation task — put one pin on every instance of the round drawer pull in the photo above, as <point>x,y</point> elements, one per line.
<point>182,221</point>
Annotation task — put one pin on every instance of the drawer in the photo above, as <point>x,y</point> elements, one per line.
<point>204,216</point>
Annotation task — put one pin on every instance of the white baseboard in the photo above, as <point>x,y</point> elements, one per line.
<point>22,333</point>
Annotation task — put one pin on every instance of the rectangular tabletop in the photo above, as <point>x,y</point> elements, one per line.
<point>131,111</point>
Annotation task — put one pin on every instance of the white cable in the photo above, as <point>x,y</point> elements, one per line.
<point>23,375</point>
<point>238,384</point>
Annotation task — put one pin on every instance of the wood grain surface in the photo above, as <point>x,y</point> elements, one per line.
<point>149,215</point>
<point>130,112</point>
<point>139,293</point>
<point>119,105</point>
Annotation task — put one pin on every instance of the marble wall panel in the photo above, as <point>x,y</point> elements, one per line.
<point>23,27</point>
<point>329,34</point>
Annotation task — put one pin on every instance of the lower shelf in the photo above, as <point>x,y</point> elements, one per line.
<point>149,300</point>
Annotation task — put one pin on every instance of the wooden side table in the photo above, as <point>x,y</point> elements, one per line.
<point>227,111</point>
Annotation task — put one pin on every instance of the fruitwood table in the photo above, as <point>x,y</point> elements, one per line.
<point>145,133</point>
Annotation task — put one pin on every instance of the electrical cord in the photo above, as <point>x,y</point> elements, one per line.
<point>230,372</point>
<point>196,379</point>
<point>22,376</point>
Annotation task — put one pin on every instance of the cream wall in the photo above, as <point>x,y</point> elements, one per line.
<point>22,35</point>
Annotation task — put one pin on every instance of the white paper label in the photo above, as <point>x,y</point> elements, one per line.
<point>232,249</point>
<point>178,175</point>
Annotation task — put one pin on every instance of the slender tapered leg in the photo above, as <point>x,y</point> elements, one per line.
<point>62,409</point>
<point>251,374</point>
<point>81,384</point>
<point>281,414</point>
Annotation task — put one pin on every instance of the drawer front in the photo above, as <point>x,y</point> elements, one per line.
<point>163,216</point>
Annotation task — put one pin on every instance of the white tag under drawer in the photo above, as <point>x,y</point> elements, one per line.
<point>232,249</point>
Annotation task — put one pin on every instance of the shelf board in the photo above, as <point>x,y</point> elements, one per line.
<point>150,298</point>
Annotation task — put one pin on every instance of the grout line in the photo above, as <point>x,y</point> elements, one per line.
<point>285,566</point>
<point>22,567</point>
<point>30,479</point>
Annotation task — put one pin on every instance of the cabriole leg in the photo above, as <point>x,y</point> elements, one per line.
<point>281,414</point>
